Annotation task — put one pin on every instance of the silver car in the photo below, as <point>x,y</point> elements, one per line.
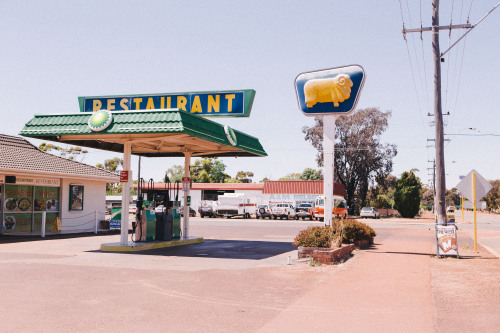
<point>371,212</point>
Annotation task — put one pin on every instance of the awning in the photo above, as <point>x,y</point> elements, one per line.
<point>152,133</point>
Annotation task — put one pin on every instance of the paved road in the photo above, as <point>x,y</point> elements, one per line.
<point>239,280</point>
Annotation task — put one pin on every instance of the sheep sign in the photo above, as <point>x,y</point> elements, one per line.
<point>333,91</point>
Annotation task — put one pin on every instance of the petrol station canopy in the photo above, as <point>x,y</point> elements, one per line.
<point>152,133</point>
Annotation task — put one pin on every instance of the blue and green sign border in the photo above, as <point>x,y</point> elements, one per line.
<point>230,103</point>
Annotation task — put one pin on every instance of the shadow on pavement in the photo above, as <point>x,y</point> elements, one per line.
<point>225,249</point>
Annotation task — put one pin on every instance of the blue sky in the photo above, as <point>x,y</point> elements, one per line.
<point>54,51</point>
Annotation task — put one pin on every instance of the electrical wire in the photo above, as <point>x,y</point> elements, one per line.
<point>411,65</point>
<point>415,50</point>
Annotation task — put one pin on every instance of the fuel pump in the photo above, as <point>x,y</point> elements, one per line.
<point>145,216</point>
<point>158,217</point>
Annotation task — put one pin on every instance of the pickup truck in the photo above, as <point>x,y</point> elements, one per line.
<point>283,211</point>
<point>303,211</point>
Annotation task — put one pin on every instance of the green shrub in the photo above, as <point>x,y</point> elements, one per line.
<point>355,231</point>
<point>352,231</point>
<point>407,195</point>
<point>314,236</point>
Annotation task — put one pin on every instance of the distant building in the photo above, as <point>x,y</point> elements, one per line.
<point>272,191</point>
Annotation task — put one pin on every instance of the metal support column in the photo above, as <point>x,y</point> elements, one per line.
<point>187,163</point>
<point>328,165</point>
<point>127,152</point>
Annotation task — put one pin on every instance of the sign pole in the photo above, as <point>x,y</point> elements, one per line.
<point>127,151</point>
<point>187,163</point>
<point>474,200</point>
<point>462,203</point>
<point>329,164</point>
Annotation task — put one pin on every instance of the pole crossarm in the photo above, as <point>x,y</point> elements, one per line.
<point>441,27</point>
<point>475,25</point>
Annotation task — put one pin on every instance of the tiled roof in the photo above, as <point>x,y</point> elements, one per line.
<point>300,187</point>
<point>17,154</point>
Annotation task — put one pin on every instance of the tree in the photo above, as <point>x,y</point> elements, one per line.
<point>310,174</point>
<point>291,176</point>
<point>492,198</point>
<point>360,157</point>
<point>407,195</point>
<point>428,199</point>
<point>242,177</point>
<point>307,174</point>
<point>208,170</point>
<point>174,174</point>
<point>217,173</point>
<point>69,152</point>
<point>112,165</point>
<point>452,198</point>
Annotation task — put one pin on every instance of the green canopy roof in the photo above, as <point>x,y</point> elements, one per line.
<point>152,133</point>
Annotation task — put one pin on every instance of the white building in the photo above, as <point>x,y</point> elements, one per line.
<point>71,195</point>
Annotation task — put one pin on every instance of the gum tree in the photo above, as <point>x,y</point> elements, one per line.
<point>360,156</point>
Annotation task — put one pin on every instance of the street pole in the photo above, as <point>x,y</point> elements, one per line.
<point>434,186</point>
<point>328,164</point>
<point>439,201</point>
<point>474,200</point>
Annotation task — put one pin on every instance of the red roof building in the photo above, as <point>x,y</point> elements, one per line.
<point>300,187</point>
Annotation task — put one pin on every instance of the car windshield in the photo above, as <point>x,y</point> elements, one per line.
<point>366,209</point>
<point>305,206</point>
<point>263,206</point>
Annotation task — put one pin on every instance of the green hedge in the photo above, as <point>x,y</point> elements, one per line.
<point>325,236</point>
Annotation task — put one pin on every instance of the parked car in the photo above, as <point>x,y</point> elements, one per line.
<point>283,211</point>
<point>369,212</point>
<point>192,212</point>
<point>264,211</point>
<point>303,211</point>
<point>208,208</point>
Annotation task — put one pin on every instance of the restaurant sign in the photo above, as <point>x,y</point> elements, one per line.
<point>21,180</point>
<point>231,103</point>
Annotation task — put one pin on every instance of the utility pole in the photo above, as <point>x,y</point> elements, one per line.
<point>433,181</point>
<point>440,183</point>
<point>439,201</point>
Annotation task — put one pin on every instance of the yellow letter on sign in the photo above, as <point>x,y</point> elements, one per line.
<point>230,102</point>
<point>196,107</point>
<point>97,105</point>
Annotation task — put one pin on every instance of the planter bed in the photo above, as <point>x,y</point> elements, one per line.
<point>326,256</point>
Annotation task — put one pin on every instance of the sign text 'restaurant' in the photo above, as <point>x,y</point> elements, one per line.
<point>205,104</point>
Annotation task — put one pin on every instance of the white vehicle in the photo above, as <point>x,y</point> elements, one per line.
<point>367,212</point>
<point>283,211</point>
<point>236,204</point>
<point>339,209</point>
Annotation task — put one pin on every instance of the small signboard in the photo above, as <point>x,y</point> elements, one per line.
<point>482,186</point>
<point>230,103</point>
<point>330,91</point>
<point>116,217</point>
<point>447,240</point>
<point>125,176</point>
<point>186,183</point>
